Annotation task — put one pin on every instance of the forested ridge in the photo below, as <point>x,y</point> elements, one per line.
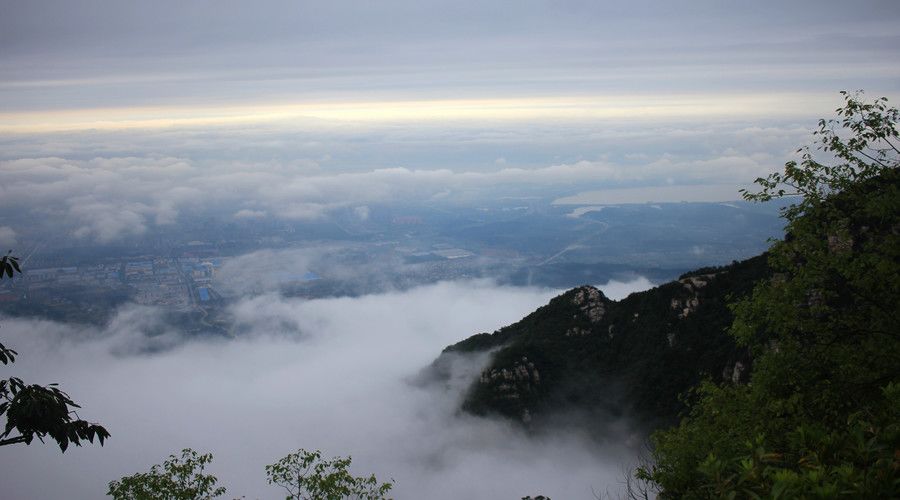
<point>585,353</point>
<point>776,377</point>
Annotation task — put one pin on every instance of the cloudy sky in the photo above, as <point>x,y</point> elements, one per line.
<point>106,64</point>
<point>118,116</point>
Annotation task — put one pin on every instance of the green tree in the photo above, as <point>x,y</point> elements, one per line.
<point>33,410</point>
<point>821,416</point>
<point>863,144</point>
<point>178,478</point>
<point>305,475</point>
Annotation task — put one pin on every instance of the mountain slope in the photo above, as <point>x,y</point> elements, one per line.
<point>587,354</point>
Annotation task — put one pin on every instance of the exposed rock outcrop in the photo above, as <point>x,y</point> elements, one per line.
<point>591,302</point>
<point>583,351</point>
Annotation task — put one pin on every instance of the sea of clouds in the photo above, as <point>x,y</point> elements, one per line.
<point>337,374</point>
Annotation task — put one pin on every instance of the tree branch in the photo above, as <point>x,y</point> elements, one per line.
<point>873,159</point>
<point>891,144</point>
<point>15,440</point>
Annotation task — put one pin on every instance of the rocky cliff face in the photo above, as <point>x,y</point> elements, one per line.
<point>633,357</point>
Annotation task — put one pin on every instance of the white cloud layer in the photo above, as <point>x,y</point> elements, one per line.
<point>106,198</point>
<point>618,290</point>
<point>333,374</point>
<point>7,237</point>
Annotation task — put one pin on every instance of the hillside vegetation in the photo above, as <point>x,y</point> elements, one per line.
<point>820,416</point>
<point>776,377</point>
<point>583,353</point>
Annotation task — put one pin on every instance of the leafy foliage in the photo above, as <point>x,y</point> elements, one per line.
<point>306,475</point>
<point>870,149</point>
<point>821,416</point>
<point>8,265</point>
<point>178,478</point>
<point>38,411</point>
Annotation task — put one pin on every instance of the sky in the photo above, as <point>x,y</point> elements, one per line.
<point>116,117</point>
<point>107,64</point>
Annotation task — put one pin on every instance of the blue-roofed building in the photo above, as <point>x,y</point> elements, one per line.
<point>203,292</point>
<point>287,278</point>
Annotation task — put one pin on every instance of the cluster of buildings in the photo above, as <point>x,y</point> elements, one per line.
<point>178,283</point>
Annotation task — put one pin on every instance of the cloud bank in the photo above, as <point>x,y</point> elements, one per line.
<point>334,374</point>
<point>103,199</point>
